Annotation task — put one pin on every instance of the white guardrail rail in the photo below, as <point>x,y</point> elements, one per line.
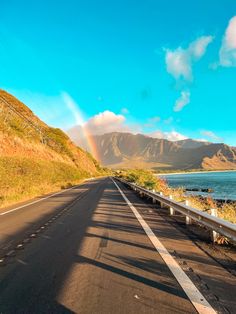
<point>217,225</point>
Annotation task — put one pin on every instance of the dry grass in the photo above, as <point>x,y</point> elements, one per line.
<point>228,212</point>
<point>24,134</point>
<point>25,178</point>
<point>34,158</point>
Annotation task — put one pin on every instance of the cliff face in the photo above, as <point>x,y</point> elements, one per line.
<point>125,149</point>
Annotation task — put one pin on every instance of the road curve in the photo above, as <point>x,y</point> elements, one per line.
<point>84,251</point>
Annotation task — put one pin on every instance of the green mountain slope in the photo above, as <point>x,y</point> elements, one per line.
<point>35,158</point>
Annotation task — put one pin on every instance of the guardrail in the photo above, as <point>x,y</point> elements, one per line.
<point>45,139</point>
<point>9,105</point>
<point>217,225</point>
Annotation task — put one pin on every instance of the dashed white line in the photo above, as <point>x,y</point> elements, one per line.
<point>22,262</point>
<point>194,295</point>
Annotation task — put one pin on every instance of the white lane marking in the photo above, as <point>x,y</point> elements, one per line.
<point>22,262</point>
<point>194,295</point>
<point>34,202</point>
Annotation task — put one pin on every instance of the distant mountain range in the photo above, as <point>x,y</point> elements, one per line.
<point>126,150</point>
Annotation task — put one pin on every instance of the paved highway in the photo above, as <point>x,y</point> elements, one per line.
<point>98,248</point>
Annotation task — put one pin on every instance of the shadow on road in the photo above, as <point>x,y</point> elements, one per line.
<point>32,285</point>
<point>35,286</point>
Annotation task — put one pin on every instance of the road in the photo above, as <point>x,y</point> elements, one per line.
<point>88,250</point>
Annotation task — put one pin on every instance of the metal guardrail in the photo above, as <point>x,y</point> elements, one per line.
<point>45,139</point>
<point>217,225</point>
<point>9,105</point>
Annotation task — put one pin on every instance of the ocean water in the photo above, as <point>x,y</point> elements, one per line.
<point>222,183</point>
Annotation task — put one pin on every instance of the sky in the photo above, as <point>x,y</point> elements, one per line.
<point>161,68</point>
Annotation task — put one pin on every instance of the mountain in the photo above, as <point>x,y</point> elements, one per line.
<point>129,150</point>
<point>189,143</point>
<point>36,158</point>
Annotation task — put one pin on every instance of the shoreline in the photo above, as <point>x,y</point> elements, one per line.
<point>203,195</point>
<point>192,172</point>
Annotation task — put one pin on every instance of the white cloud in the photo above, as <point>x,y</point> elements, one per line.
<point>155,119</point>
<point>62,111</point>
<point>197,48</point>
<point>106,122</point>
<point>200,140</point>
<point>182,101</point>
<point>124,111</point>
<point>152,122</point>
<point>179,61</point>
<point>211,135</point>
<point>169,120</point>
<point>171,136</point>
<point>228,47</point>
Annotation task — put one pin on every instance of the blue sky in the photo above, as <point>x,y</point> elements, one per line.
<point>165,68</point>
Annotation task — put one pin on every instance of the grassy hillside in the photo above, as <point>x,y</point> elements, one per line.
<point>35,158</point>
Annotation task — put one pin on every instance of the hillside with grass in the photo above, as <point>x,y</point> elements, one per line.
<point>34,158</point>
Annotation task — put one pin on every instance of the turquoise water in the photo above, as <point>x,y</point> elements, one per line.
<point>223,183</point>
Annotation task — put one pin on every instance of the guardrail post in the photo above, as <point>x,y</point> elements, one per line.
<point>223,227</point>
<point>161,204</point>
<point>214,234</point>
<point>188,220</point>
<point>153,199</point>
<point>172,211</point>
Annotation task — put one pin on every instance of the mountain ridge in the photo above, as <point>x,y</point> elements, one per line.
<point>119,150</point>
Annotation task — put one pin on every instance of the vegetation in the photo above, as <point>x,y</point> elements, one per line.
<point>148,180</point>
<point>58,140</point>
<point>24,178</point>
<point>35,158</point>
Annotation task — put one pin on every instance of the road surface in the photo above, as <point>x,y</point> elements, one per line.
<point>88,250</point>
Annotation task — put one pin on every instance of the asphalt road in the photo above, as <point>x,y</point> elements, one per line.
<point>84,251</point>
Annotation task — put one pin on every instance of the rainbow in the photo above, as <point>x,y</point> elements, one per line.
<point>92,147</point>
<point>80,121</point>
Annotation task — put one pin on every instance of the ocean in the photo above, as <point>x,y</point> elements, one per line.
<point>223,184</point>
